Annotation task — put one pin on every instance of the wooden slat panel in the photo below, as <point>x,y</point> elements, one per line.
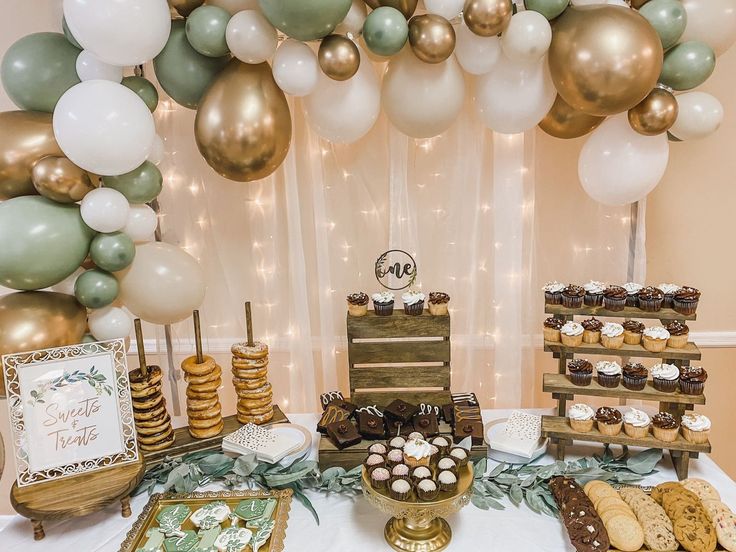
<point>398,325</point>
<point>628,312</point>
<point>399,376</point>
<point>399,351</point>
<point>689,352</point>
<point>383,398</point>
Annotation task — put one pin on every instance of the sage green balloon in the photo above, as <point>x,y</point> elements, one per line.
<point>668,17</point>
<point>41,242</point>
<point>548,8</point>
<point>206,30</point>
<point>305,19</point>
<point>145,89</point>
<point>96,288</point>
<point>38,69</point>
<point>112,252</point>
<point>140,185</point>
<point>182,71</point>
<point>68,34</point>
<point>687,65</point>
<point>385,31</point>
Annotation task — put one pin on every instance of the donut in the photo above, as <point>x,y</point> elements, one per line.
<point>249,385</point>
<point>156,437</point>
<point>210,386</point>
<point>258,420</point>
<point>247,404</point>
<point>246,364</point>
<point>192,394</point>
<point>160,446</point>
<point>148,402</point>
<point>263,391</point>
<point>205,423</point>
<point>162,426</point>
<point>155,421</point>
<point>190,366</point>
<point>145,392</point>
<point>149,414</point>
<point>211,412</point>
<point>258,373</point>
<point>139,381</point>
<point>256,411</point>
<point>202,404</point>
<point>243,350</point>
<point>207,432</point>
<point>211,376</point>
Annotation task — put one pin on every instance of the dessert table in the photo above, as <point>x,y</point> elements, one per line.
<point>350,523</point>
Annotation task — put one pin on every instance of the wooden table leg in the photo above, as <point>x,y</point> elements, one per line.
<point>38,533</point>
<point>125,503</point>
<point>680,461</point>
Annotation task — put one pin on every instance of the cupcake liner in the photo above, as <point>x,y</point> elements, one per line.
<point>609,381</point>
<point>380,485</point>
<point>460,463</point>
<point>357,310</point>
<point>685,307</point>
<point>427,496</point>
<point>583,426</point>
<point>571,340</point>
<point>612,342</point>
<point>415,309</point>
<point>553,298</point>
<point>591,337</point>
<point>632,300</point>
<point>581,380</point>
<point>609,429</point>
<point>593,300</point>
<point>677,341</point>
<point>636,432</point>
<point>697,437</point>
<point>653,345</point>
<point>403,497</point>
<point>634,384</point>
<point>369,469</point>
<point>551,334</point>
<point>448,488</point>
<point>664,385</point>
<point>668,301</point>
<point>415,462</point>
<point>650,305</point>
<point>383,309</point>
<point>632,338</point>
<point>572,302</point>
<point>666,435</point>
<point>692,387</point>
<point>437,309</point>
<point>612,304</point>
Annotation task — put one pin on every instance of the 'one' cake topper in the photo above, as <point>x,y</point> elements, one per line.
<point>396,270</point>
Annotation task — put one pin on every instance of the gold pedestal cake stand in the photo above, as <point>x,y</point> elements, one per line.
<point>419,526</point>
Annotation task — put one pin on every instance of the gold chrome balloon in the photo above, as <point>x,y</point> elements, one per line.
<point>655,114</point>
<point>432,38</point>
<point>407,7</point>
<point>487,17</point>
<point>338,57</point>
<point>25,137</point>
<point>185,7</point>
<point>59,179</point>
<point>32,320</point>
<point>243,123</point>
<point>638,3</point>
<point>563,121</point>
<point>604,59</point>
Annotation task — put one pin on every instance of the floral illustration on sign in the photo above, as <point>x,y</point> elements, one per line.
<point>95,379</point>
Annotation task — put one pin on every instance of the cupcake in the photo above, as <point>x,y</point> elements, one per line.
<point>422,472</point>
<point>572,296</point>
<point>594,293</point>
<point>442,444</point>
<point>668,290</point>
<point>614,298</point>
<point>380,478</point>
<point>685,301</point>
<point>459,455</point>
<point>571,334</point>
<point>447,463</point>
<point>665,377</point>
<point>581,417</point>
<point>427,490</point>
<point>400,471</point>
<point>609,420</point>
<point>609,373</point>
<point>394,456</point>
<point>374,461</point>
<point>696,428</point>
<point>417,453</point>
<point>592,330</point>
<point>438,303</point>
<point>396,442</point>
<point>415,435</point>
<point>581,372</point>
<point>654,339</point>
<point>400,489</point>
<point>434,454</point>
<point>632,332</point>
<point>413,302</point>
<point>635,376</point>
<point>383,303</point>
<point>553,293</point>
<point>636,423</point>
<point>650,299</point>
<point>679,334</point>
<point>612,335</point>
<point>447,481</point>
<point>632,293</point>
<point>692,380</point>
<point>357,304</point>
<point>665,427</point>
<point>378,448</point>
<point>551,329</point>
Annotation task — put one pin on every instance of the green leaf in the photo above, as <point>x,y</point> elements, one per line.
<point>332,473</point>
<point>495,472</point>
<point>480,468</point>
<point>479,502</point>
<point>246,465</point>
<point>301,497</point>
<point>493,489</point>
<point>216,463</point>
<point>516,495</point>
<point>496,505</point>
<point>507,479</point>
<point>644,462</point>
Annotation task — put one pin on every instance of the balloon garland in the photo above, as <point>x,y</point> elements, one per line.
<point>78,162</point>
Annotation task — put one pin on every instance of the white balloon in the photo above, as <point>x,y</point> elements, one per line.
<point>712,22</point>
<point>594,2</point>
<point>618,165</point>
<point>158,150</point>
<point>120,32</point>
<point>476,54</point>
<point>527,38</point>
<point>66,286</point>
<point>353,22</point>
<point>422,99</point>
<point>700,115</point>
<point>449,9</point>
<point>105,210</point>
<point>234,6</point>
<point>109,323</point>
<point>103,127</point>
<point>344,111</point>
<point>250,37</point>
<point>515,97</point>
<point>89,67</point>
<point>141,224</point>
<point>295,68</point>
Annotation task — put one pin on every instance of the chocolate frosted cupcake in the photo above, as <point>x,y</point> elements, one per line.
<point>357,304</point>
<point>650,299</point>
<point>632,332</point>
<point>380,478</point>
<point>665,427</point>
<point>581,372</point>
<point>632,293</point>
<point>614,298</point>
<point>679,334</point>
<point>551,329</point>
<point>400,489</point>
<point>553,293</point>
<point>427,490</point>
<point>665,377</point>
<point>594,293</point>
<point>592,330</point>
<point>609,420</point>
<point>685,301</point>
<point>609,373</point>
<point>635,376</point>
<point>383,303</point>
<point>572,296</point>
<point>692,380</point>
<point>669,291</point>
<point>438,303</point>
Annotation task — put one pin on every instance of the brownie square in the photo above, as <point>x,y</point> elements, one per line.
<point>327,398</point>
<point>345,405</point>
<point>427,424</point>
<point>448,413</point>
<point>400,410</point>
<point>469,429</point>
<point>371,426</point>
<point>463,414</point>
<point>395,427</point>
<point>464,399</point>
<point>343,434</point>
<point>331,415</point>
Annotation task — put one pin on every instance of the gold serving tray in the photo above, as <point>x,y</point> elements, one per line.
<point>136,537</point>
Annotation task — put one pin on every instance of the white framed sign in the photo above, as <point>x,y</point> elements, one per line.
<point>70,410</point>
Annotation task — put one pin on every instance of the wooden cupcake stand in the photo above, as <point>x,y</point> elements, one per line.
<point>558,429</point>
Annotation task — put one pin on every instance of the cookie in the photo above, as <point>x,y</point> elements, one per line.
<point>662,489</point>
<point>694,536</point>
<point>725,524</point>
<point>190,366</point>
<point>656,525</point>
<point>250,352</point>
<point>703,489</point>
<point>712,507</point>
<point>600,490</point>
<point>625,533</point>
<point>204,378</point>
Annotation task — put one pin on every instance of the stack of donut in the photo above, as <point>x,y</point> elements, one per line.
<point>152,421</point>
<point>250,378</point>
<point>203,403</point>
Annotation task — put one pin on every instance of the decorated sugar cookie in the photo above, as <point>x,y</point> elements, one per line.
<point>155,541</point>
<point>233,539</point>
<point>251,508</point>
<point>211,515</point>
<point>171,518</point>
<point>185,542</point>
<point>262,530</point>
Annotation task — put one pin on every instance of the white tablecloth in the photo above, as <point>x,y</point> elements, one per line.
<point>350,524</point>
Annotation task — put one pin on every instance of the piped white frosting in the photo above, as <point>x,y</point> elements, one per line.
<point>418,448</point>
<point>382,297</point>
<point>412,297</point>
<point>657,332</point>
<point>632,287</point>
<point>696,422</point>
<point>668,289</point>
<point>611,329</point>
<point>608,367</point>
<point>594,287</point>
<point>580,412</point>
<point>572,328</point>
<point>637,418</point>
<point>665,371</point>
<point>553,287</point>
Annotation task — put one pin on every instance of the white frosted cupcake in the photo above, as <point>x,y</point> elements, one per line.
<point>417,453</point>
<point>594,293</point>
<point>636,423</point>
<point>612,335</point>
<point>654,339</point>
<point>669,291</point>
<point>632,293</point>
<point>609,373</point>
<point>383,303</point>
<point>413,302</point>
<point>553,292</point>
<point>696,428</point>
<point>572,334</point>
<point>665,377</point>
<point>581,417</point>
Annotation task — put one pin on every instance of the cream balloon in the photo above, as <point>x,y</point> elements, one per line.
<point>712,22</point>
<point>105,210</point>
<point>353,22</point>
<point>89,67</point>
<point>515,97</point>
<point>235,6</point>
<point>421,99</point>
<point>476,54</point>
<point>344,111</point>
<point>250,37</point>
<point>449,9</point>
<point>527,38</point>
<point>700,115</point>
<point>109,323</point>
<point>141,224</point>
<point>295,68</point>
<point>163,285</point>
<point>618,165</point>
<point>158,150</point>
